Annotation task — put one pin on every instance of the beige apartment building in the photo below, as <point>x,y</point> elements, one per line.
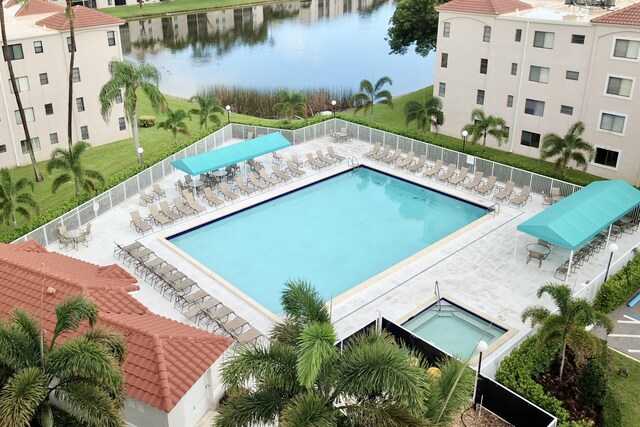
<point>542,66</point>
<point>38,37</point>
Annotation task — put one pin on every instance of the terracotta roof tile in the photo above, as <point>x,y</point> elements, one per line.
<point>629,15</point>
<point>484,7</point>
<point>84,18</point>
<point>35,7</point>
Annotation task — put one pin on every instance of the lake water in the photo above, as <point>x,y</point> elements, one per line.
<point>312,44</point>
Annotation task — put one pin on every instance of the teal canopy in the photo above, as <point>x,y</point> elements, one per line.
<point>225,156</point>
<point>575,220</point>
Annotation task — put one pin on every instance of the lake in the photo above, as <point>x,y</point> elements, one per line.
<point>313,44</point>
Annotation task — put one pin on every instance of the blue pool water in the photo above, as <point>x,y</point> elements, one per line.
<point>453,329</point>
<point>335,234</point>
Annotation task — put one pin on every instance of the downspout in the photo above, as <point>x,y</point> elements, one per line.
<point>516,108</point>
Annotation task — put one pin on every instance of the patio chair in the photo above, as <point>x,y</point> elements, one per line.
<point>243,187</point>
<point>249,135</point>
<point>159,218</point>
<point>382,153</point>
<point>403,163</point>
<point>248,336</point>
<point>487,187</point>
<point>505,194</point>
<point>393,157</point>
<point>335,155</point>
<point>297,161</point>
<point>87,231</point>
<point>188,300</point>
<point>226,192</point>
<point>266,178</point>
<point>277,158</point>
<point>321,157</point>
<point>168,212</point>
<point>183,209</point>
<point>257,184</point>
<point>459,177</point>
<point>211,198</point>
<point>373,151</point>
<point>254,165</point>
<point>562,270</point>
<point>344,131</point>
<point>417,167</point>
<point>138,222</point>
<point>158,191</point>
<point>477,179</point>
<point>521,199</point>
<point>552,197</point>
<point>63,241</point>
<point>279,174</point>
<point>315,163</point>
<point>433,171</point>
<point>451,169</point>
<point>191,202</point>
<point>537,256</point>
<point>294,170</point>
<point>180,186</point>
<point>232,326</point>
<point>145,199</point>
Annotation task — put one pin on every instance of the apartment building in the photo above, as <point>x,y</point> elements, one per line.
<point>39,45</point>
<point>542,66</point>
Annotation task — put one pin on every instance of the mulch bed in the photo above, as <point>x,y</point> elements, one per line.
<point>483,418</point>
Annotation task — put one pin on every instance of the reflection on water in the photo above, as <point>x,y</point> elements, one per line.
<point>330,43</point>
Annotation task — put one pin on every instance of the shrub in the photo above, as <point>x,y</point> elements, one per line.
<point>620,287</point>
<point>146,121</point>
<point>611,415</point>
<point>592,384</point>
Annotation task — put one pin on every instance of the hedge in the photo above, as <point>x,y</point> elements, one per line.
<point>620,287</point>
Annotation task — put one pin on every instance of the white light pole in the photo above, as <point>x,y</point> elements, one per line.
<point>140,151</point>
<point>481,347</point>
<point>333,105</point>
<point>612,248</point>
<point>464,139</point>
<point>228,108</point>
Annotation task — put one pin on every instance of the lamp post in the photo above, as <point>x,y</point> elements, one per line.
<point>140,151</point>
<point>612,248</point>
<point>481,347</point>
<point>228,108</point>
<point>333,105</point>
<point>464,139</point>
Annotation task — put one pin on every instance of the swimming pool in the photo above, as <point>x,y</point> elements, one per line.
<point>335,233</point>
<point>453,329</point>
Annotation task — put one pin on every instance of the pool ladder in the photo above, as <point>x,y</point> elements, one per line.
<point>353,162</point>
<point>436,292</point>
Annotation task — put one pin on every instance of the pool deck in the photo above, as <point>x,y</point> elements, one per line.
<point>480,266</point>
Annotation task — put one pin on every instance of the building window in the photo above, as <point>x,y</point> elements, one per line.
<point>486,36</point>
<point>442,88</point>
<point>53,137</point>
<point>15,52</point>
<point>530,139</point>
<point>37,46</point>
<point>514,69</point>
<point>565,109</point>
<point>76,75</point>
<point>444,60</point>
<point>122,123</point>
<point>627,49</point>
<point>606,157</point>
<point>28,114</point>
<point>69,45</point>
<point>119,97</point>
<point>573,75</point>
<point>539,74</point>
<point>518,34</point>
<point>3,148</point>
<point>84,132</point>
<point>543,39</point>
<point>509,101</point>
<point>22,83</point>
<point>80,104</point>
<point>44,79</point>
<point>612,122</point>
<point>446,29</point>
<point>619,86</point>
<point>480,97</point>
<point>35,144</point>
<point>111,38</point>
<point>533,107</point>
<point>484,64</point>
<point>48,109</point>
<point>577,38</point>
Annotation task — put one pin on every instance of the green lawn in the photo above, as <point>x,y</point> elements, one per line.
<point>626,389</point>
<point>175,6</point>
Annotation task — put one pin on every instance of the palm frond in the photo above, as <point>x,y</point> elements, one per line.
<point>302,303</point>
<point>70,312</point>
<point>113,341</point>
<point>90,405</point>
<point>316,349</point>
<point>246,409</point>
<point>21,397</point>
<point>310,409</point>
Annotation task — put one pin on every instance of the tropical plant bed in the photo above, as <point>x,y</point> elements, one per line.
<point>482,418</point>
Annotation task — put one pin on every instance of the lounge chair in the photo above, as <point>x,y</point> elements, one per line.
<point>232,326</point>
<point>417,167</point>
<point>321,157</point>
<point>158,218</point>
<point>183,209</point>
<point>168,212</point>
<point>487,186</point>
<point>226,192</point>
<point>145,199</point>
<point>382,153</point>
<point>373,151</point>
<point>393,157</point>
<point>211,198</point>
<point>186,301</point>
<point>459,178</point>
<point>158,191</point>
<point>253,180</point>
<point>266,178</point>
<point>243,187</point>
<point>138,222</point>
<point>279,174</point>
<point>562,270</point>
<point>248,336</point>
<point>293,169</point>
<point>254,165</point>
<point>277,158</point>
<point>451,169</point>
<point>433,171</point>
<point>296,160</point>
<point>505,194</point>
<point>315,163</point>
<point>407,160</point>
<point>122,251</point>
<point>335,155</point>
<point>477,179</point>
<point>191,202</point>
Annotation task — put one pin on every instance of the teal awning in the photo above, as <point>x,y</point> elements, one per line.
<point>225,156</point>
<point>575,220</point>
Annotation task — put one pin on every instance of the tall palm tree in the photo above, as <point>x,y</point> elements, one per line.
<point>567,148</point>
<point>131,77</point>
<point>302,379</point>
<point>372,94</point>
<point>291,103</point>
<point>83,373</point>
<point>13,198</point>
<point>72,58</point>
<point>16,94</point>
<point>567,326</point>
<point>71,164</point>
<point>427,114</point>
<point>175,122</point>
<point>482,125</point>
<point>207,109</point>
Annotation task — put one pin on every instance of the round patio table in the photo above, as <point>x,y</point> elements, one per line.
<point>537,247</point>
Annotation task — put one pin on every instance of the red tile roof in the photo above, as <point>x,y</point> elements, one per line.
<point>165,358</point>
<point>629,15</point>
<point>35,7</point>
<point>484,7</point>
<point>84,18</point>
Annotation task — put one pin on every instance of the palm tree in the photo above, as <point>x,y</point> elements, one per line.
<point>429,113</point>
<point>83,373</point>
<point>571,147</point>
<point>129,76</point>
<point>482,125</point>
<point>13,198</point>
<point>70,162</point>
<point>208,107</point>
<point>16,94</point>
<point>72,58</point>
<point>370,95</point>
<point>291,104</point>
<point>175,122</point>
<point>567,326</point>
<point>302,379</point>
